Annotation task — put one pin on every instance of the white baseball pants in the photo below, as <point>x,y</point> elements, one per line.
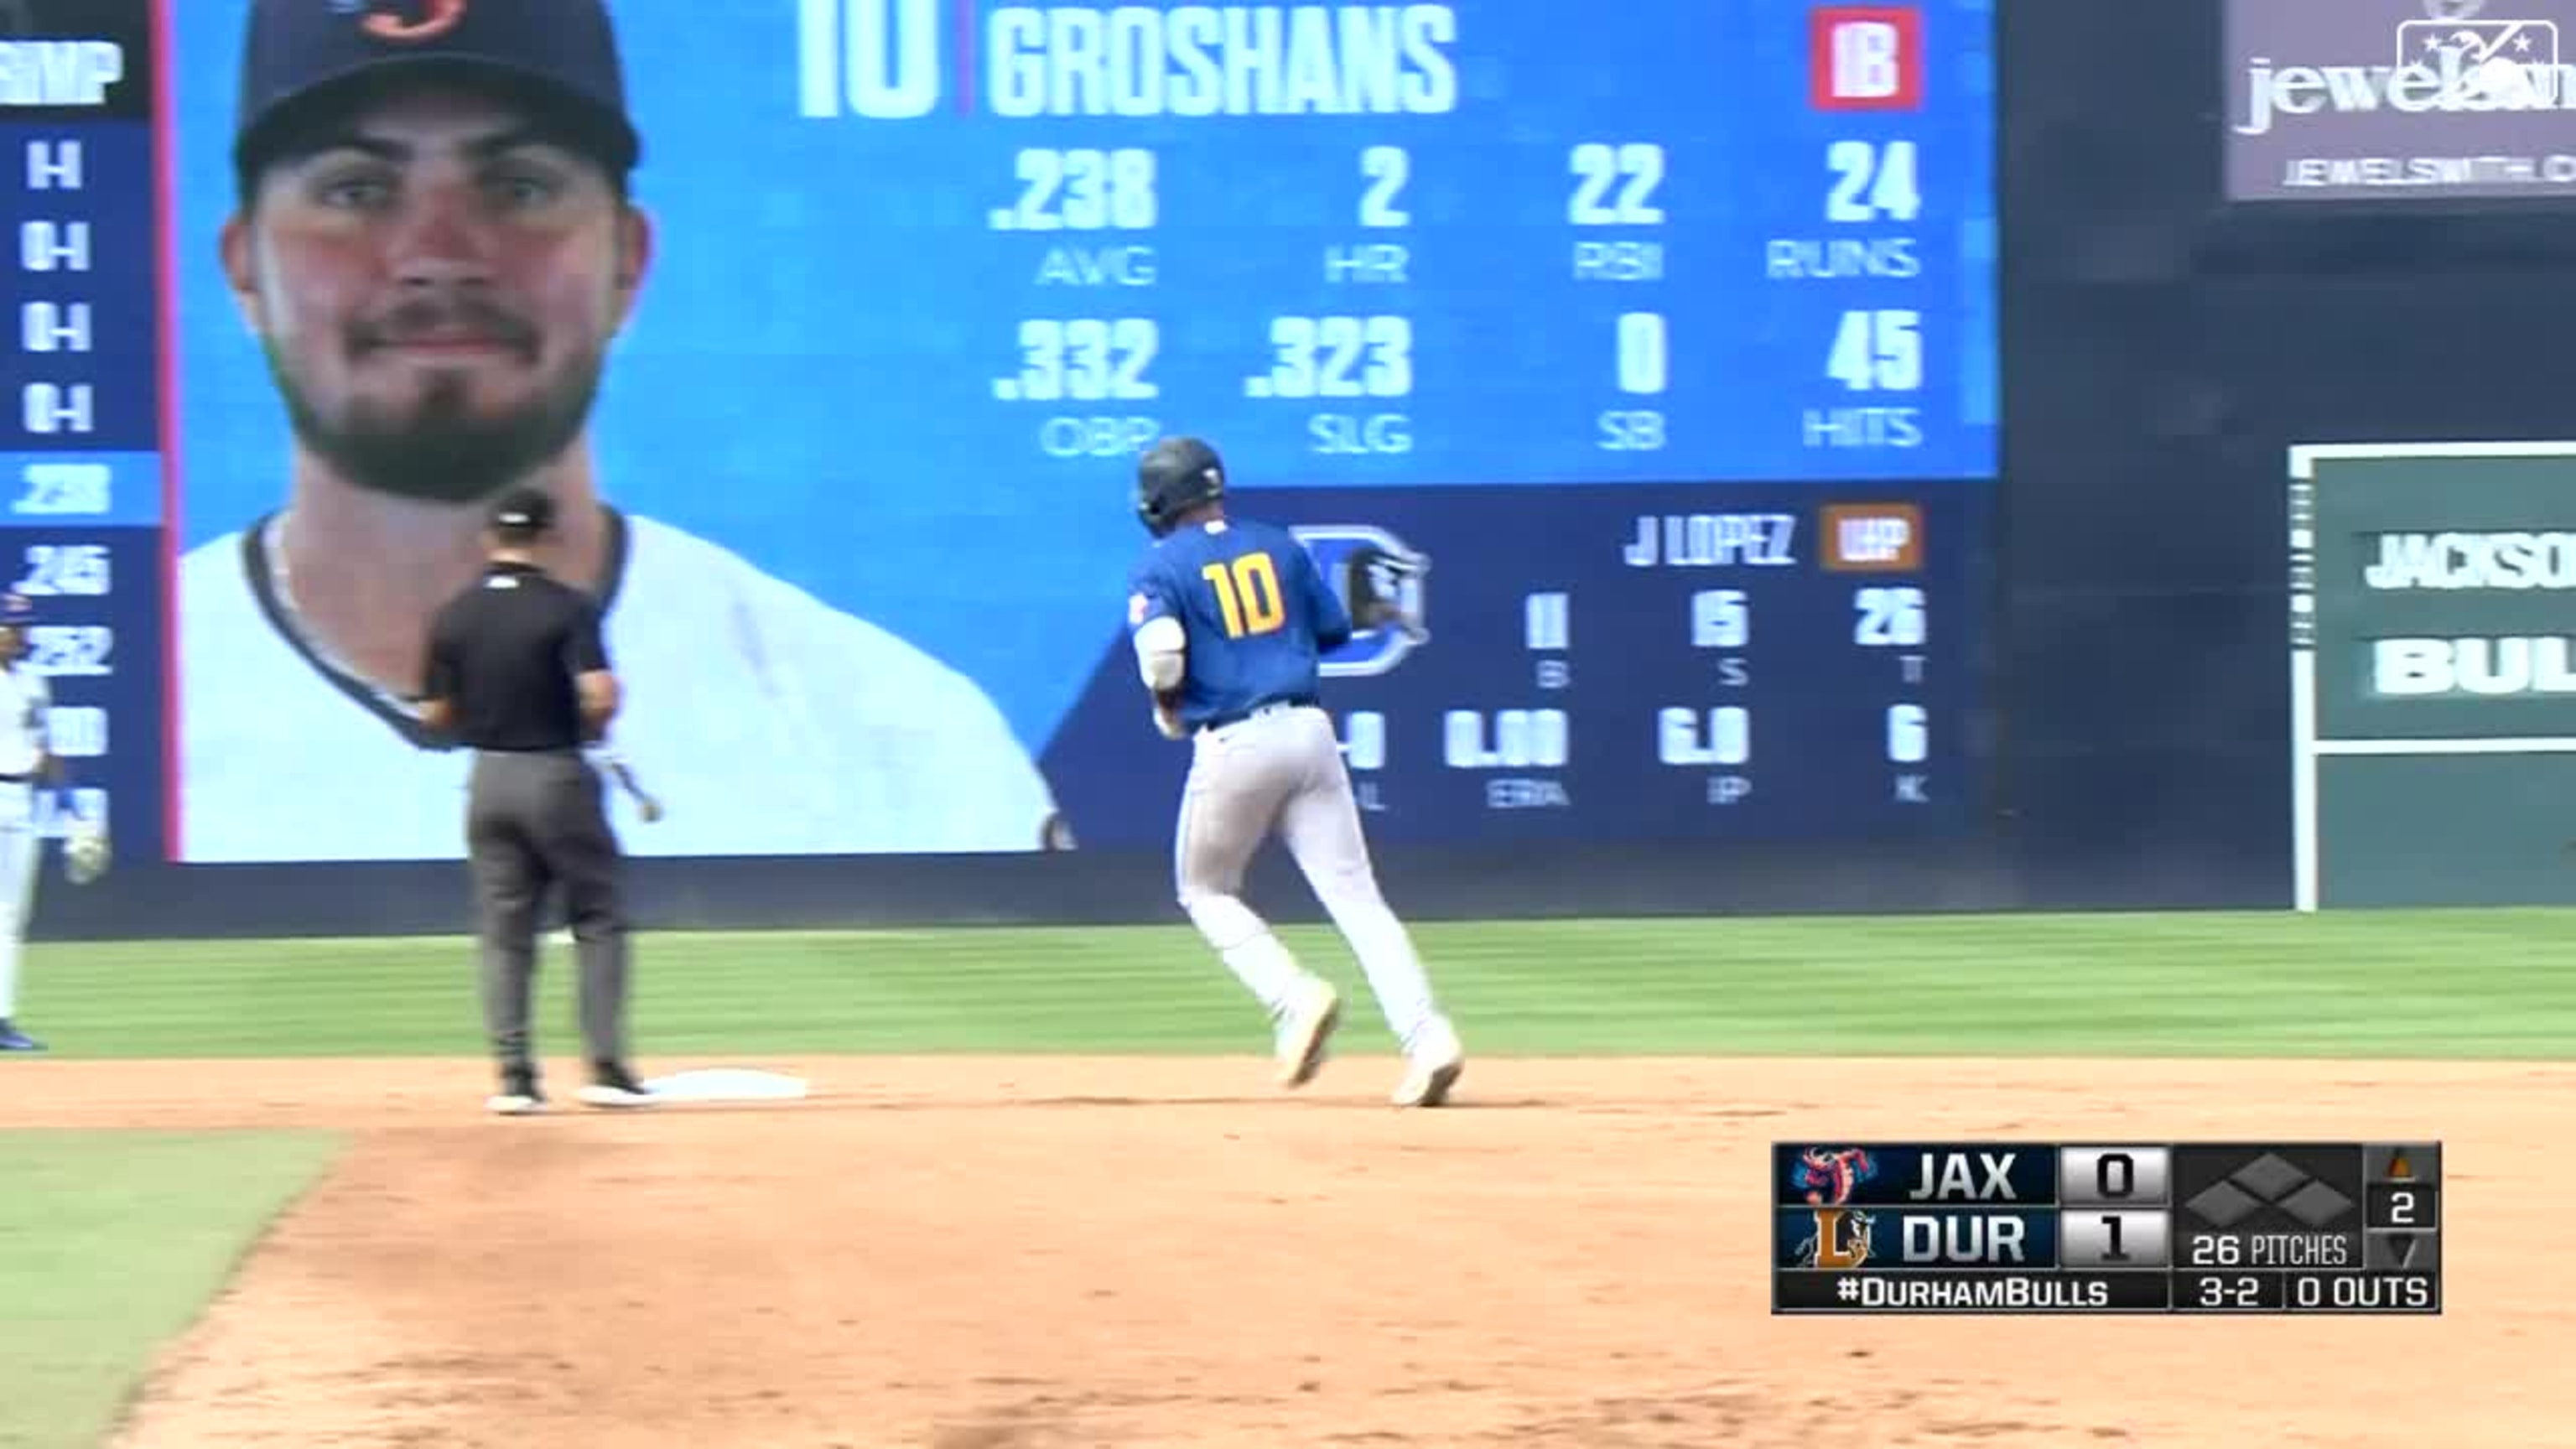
<point>21,848</point>
<point>1281,772</point>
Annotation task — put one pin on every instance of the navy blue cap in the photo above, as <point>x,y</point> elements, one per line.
<point>299,53</point>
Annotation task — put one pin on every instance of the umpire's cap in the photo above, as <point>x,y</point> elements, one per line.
<point>300,56</point>
<point>1176,474</point>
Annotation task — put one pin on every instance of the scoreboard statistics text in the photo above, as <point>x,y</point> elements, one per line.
<point>80,427</point>
<point>1449,244</point>
<point>1656,343</point>
<point>2197,1227</point>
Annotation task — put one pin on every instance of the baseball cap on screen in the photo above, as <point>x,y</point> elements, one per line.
<point>301,56</point>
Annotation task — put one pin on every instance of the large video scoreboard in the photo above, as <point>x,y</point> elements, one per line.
<point>1655,346</point>
<point>2201,1227</point>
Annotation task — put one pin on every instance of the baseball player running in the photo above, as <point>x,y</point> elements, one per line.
<point>27,763</point>
<point>1229,618</point>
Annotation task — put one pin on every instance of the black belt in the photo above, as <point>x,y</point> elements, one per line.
<point>1236,717</point>
<point>26,779</point>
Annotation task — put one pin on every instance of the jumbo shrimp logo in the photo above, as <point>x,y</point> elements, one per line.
<point>437,17</point>
<point>1828,1175</point>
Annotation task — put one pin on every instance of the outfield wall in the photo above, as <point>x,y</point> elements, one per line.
<point>2162,352</point>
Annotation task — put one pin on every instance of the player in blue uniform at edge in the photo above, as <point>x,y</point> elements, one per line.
<point>1229,618</point>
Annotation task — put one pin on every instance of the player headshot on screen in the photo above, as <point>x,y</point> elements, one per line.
<point>434,247</point>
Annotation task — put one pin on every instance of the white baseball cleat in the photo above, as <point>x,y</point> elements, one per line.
<point>1305,1028</point>
<point>1431,1068</point>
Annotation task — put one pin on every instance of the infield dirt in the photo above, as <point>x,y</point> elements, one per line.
<point>977,1253</point>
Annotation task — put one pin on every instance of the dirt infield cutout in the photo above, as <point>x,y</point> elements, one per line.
<point>976,1253</point>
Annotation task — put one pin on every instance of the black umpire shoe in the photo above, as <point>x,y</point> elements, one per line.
<point>612,1085</point>
<point>519,1095</point>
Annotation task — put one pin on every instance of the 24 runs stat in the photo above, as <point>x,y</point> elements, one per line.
<point>1350,376</point>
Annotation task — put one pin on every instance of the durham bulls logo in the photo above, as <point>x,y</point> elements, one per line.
<point>1828,1175</point>
<point>1841,1242</point>
<point>1395,569</point>
<point>436,18</point>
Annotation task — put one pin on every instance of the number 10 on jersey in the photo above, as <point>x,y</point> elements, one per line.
<point>1247,594</point>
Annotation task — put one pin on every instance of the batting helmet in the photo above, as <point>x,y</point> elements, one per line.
<point>300,56</point>
<point>1174,475</point>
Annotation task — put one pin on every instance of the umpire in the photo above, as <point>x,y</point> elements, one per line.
<point>518,672</point>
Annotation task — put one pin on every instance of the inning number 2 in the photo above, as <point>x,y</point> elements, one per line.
<point>1247,594</point>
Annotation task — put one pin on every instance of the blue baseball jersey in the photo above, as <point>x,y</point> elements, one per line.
<point>1255,609</point>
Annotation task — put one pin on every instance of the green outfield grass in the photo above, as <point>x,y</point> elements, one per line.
<point>2461,984</point>
<point>110,1244</point>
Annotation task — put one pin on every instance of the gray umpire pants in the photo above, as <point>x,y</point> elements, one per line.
<point>534,821</point>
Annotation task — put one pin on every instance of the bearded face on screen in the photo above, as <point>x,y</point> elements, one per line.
<point>435,280</point>
<point>437,437</point>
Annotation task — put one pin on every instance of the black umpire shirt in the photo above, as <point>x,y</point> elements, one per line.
<point>505,652</point>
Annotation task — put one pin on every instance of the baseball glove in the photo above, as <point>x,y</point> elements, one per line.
<point>85,850</point>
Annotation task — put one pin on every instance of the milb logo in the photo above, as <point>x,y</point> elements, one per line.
<point>1865,58</point>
